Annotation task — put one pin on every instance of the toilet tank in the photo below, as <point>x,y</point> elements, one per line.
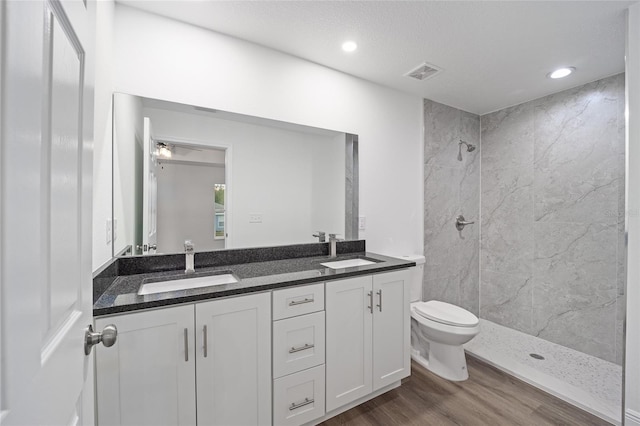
<point>416,275</point>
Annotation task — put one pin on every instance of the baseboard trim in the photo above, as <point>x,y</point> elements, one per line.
<point>631,418</point>
<point>355,403</point>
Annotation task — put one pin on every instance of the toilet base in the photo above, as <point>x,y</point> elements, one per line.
<point>448,362</point>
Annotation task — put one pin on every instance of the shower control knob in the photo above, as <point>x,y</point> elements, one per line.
<point>461,223</point>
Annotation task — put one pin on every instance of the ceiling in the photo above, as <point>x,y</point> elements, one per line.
<point>493,54</point>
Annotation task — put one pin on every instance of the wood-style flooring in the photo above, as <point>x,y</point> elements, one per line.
<point>489,397</point>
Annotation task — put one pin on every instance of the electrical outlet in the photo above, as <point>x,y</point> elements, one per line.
<point>115,229</point>
<point>255,218</point>
<point>109,231</point>
<point>362,223</point>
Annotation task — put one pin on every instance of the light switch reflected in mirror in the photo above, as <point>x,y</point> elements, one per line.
<point>225,180</point>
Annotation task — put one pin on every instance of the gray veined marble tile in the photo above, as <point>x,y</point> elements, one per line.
<point>508,248</point>
<point>507,137</point>
<point>577,154</point>
<point>441,251</point>
<point>590,330</point>
<point>507,195</point>
<point>470,275</point>
<point>444,289</point>
<point>441,130</point>
<point>507,300</point>
<point>574,287</point>
<point>441,196</point>
<point>575,265</point>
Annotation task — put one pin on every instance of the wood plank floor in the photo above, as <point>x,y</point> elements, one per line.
<point>489,397</point>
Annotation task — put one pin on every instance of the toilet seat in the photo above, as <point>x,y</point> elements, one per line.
<point>446,313</point>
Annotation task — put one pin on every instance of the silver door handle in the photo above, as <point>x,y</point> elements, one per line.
<point>108,337</point>
<point>153,246</point>
<point>379,305</point>
<point>370,294</point>
<point>186,345</point>
<point>204,340</point>
<point>306,401</point>
<point>301,348</point>
<point>300,302</point>
<point>460,223</point>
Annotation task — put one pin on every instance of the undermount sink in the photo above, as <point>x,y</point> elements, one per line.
<point>185,283</point>
<point>349,263</point>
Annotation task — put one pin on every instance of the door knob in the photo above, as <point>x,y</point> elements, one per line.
<point>108,337</point>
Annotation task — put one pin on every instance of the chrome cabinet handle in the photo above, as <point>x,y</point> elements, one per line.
<point>306,401</point>
<point>186,345</point>
<point>370,294</point>
<point>300,302</point>
<point>301,348</point>
<point>206,345</point>
<point>108,337</point>
<point>379,305</point>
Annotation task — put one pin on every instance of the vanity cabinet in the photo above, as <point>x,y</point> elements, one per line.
<point>216,354</point>
<point>298,355</point>
<point>367,335</point>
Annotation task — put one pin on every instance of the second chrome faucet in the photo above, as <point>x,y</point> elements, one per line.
<point>189,250</point>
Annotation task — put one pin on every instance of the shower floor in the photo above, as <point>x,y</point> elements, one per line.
<point>585,381</point>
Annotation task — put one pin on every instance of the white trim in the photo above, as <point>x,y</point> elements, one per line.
<point>632,418</point>
<point>355,403</point>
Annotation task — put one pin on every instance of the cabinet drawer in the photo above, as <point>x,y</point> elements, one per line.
<point>298,343</point>
<point>299,398</point>
<point>298,301</point>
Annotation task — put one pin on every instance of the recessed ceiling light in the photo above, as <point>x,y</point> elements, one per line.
<point>349,46</point>
<point>561,72</point>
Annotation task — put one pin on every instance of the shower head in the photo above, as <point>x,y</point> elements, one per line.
<point>470,148</point>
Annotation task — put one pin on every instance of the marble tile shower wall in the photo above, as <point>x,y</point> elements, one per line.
<point>451,188</point>
<point>552,217</point>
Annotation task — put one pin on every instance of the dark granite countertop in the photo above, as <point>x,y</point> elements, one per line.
<point>122,293</point>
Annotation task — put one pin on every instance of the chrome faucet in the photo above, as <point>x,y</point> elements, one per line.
<point>189,251</point>
<point>332,245</point>
<point>320,236</point>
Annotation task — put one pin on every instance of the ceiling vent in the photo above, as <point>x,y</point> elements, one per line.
<point>423,72</point>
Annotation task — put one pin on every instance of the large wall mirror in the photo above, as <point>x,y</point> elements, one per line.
<point>225,180</point>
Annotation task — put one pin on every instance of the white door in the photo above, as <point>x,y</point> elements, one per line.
<point>348,340</point>
<point>391,328</point>
<point>149,191</point>
<point>46,128</point>
<point>149,376</point>
<point>234,361</point>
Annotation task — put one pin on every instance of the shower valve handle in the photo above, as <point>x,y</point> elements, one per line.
<point>460,223</point>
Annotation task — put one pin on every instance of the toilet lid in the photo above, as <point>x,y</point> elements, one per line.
<point>446,313</point>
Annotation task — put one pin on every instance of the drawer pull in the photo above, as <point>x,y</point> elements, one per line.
<point>301,348</point>
<point>300,302</point>
<point>295,406</point>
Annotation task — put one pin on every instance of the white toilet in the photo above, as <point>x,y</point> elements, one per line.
<point>438,330</point>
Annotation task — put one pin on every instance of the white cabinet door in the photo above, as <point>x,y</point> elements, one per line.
<point>148,376</point>
<point>234,361</point>
<point>348,341</point>
<point>391,328</point>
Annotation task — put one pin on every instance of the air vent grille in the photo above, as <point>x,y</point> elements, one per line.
<point>423,72</point>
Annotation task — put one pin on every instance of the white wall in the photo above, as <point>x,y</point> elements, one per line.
<point>102,129</point>
<point>280,174</point>
<point>186,207</point>
<point>160,58</point>
<point>632,368</point>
